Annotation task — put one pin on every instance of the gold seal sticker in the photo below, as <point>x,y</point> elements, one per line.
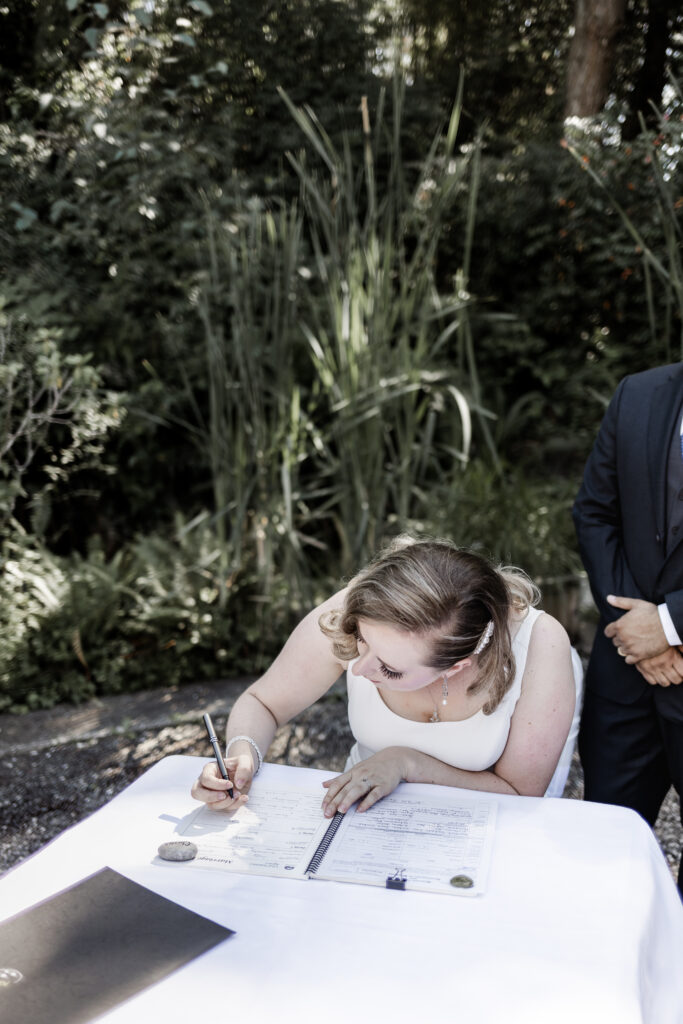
<point>461,882</point>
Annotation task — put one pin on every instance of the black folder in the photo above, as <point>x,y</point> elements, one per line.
<point>88,948</point>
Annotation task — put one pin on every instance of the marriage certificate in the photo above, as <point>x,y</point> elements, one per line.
<point>419,837</point>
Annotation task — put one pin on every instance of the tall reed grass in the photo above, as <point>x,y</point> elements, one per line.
<point>257,427</point>
<point>393,403</point>
<point>340,380</point>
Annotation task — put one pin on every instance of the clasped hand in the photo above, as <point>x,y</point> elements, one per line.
<point>664,669</point>
<point>367,781</point>
<point>638,633</point>
<point>225,794</point>
<point>640,639</point>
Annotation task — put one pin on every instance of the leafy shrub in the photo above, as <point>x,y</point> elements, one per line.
<point>74,627</point>
<point>55,417</point>
<point>577,264</point>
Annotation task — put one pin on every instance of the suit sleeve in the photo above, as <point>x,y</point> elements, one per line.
<point>597,517</point>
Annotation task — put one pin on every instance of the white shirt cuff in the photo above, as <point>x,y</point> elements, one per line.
<point>668,625</point>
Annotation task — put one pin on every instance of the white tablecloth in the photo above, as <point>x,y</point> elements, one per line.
<point>581,923</point>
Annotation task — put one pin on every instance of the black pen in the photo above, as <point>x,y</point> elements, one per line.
<point>216,749</point>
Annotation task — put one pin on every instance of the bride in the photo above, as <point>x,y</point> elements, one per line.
<point>454,678</point>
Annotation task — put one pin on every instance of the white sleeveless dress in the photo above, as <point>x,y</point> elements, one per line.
<point>474,744</point>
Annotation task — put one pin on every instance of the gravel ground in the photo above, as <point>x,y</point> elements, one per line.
<point>56,767</point>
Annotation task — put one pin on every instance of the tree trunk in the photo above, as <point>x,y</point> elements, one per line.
<point>652,75</point>
<point>591,55</point>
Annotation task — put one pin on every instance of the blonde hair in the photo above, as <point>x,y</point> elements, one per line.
<point>449,595</point>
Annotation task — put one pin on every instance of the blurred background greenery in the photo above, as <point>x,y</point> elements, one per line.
<point>282,279</point>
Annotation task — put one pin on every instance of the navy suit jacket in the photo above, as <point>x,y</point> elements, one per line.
<point>620,519</point>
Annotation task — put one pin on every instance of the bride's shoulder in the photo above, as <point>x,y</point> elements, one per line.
<point>548,633</point>
<point>543,628</point>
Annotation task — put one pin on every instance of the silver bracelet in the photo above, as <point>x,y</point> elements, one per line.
<point>247,739</point>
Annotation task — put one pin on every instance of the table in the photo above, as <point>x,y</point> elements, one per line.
<point>581,922</point>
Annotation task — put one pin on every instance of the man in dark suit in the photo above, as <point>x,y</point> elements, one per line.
<point>629,522</point>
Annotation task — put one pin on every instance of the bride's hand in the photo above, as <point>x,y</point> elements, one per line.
<point>367,781</point>
<point>225,794</point>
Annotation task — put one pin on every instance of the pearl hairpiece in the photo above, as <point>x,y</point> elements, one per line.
<point>485,638</point>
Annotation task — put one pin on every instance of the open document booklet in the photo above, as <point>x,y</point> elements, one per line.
<point>421,837</point>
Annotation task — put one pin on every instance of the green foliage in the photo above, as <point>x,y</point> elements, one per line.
<point>118,200</point>
<point>424,339</point>
<point>109,167</point>
<point>512,518</point>
<point>581,270</point>
<point>651,171</point>
<point>73,627</point>
<point>55,417</point>
<point>238,55</point>
<point>101,231</point>
<point>512,54</point>
<point>330,404</point>
<point>257,431</point>
<point>392,413</point>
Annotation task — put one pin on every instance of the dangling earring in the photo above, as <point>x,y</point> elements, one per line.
<point>444,691</point>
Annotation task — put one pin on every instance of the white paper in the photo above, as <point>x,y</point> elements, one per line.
<point>409,839</point>
<point>274,834</point>
<point>406,836</point>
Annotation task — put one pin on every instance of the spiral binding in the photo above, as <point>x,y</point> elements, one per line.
<point>324,844</point>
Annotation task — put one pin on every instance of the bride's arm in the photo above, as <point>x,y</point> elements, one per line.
<point>377,776</point>
<point>302,672</point>
<point>543,716</point>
